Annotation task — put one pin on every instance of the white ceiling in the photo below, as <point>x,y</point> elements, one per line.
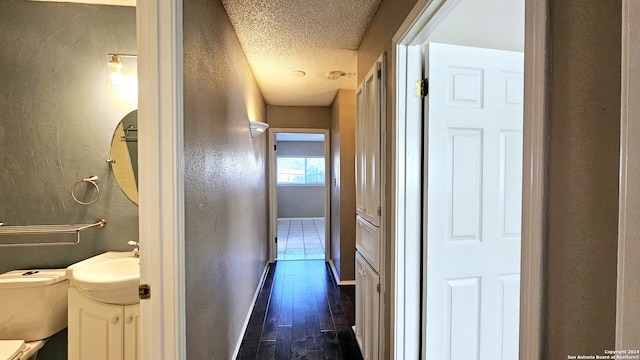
<point>494,24</point>
<point>280,37</point>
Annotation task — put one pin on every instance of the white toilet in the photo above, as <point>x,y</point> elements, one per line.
<point>33,306</point>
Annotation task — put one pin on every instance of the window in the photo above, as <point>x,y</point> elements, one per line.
<point>300,170</point>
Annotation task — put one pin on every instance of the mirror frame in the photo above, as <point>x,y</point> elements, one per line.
<point>125,168</point>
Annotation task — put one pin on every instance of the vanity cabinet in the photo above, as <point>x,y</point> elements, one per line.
<point>367,309</point>
<point>100,331</point>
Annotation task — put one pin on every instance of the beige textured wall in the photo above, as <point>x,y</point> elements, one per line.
<point>582,203</point>
<point>377,40</point>
<point>225,183</point>
<point>304,117</point>
<point>343,198</point>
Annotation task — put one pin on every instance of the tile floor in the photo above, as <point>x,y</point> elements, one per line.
<point>301,239</point>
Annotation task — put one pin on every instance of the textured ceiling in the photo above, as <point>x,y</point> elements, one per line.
<point>280,37</point>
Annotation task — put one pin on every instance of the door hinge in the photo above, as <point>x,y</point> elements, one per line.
<point>378,288</point>
<point>276,239</point>
<point>144,291</point>
<point>421,88</point>
<point>379,74</point>
<point>275,147</point>
<point>379,211</point>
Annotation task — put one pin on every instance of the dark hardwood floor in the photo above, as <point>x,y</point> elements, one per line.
<point>301,314</point>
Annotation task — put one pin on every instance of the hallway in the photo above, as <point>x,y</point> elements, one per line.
<point>301,314</point>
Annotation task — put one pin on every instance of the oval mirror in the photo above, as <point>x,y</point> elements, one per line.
<point>124,155</point>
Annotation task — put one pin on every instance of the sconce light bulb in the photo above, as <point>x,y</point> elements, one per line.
<point>114,73</point>
<point>116,79</point>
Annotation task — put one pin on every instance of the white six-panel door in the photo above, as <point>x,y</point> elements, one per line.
<point>473,177</point>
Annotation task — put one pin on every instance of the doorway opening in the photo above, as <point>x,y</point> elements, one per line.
<point>459,143</point>
<point>299,194</point>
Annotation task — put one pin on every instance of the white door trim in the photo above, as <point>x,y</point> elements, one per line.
<point>273,189</point>
<point>406,218</point>
<point>627,326</point>
<point>536,70</point>
<point>161,181</point>
<point>407,222</point>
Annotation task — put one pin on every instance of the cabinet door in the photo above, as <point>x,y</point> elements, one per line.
<point>368,242</point>
<point>360,150</point>
<point>371,313</point>
<point>367,309</point>
<point>132,332</point>
<point>95,329</point>
<point>359,301</point>
<point>372,144</point>
<point>369,115</point>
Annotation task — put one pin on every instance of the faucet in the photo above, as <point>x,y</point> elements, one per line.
<point>136,250</point>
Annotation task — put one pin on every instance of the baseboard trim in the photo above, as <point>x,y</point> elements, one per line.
<point>253,304</point>
<point>336,277</point>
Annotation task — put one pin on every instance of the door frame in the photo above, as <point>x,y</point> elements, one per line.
<point>273,189</point>
<point>161,182</point>
<point>406,217</point>
<point>627,307</point>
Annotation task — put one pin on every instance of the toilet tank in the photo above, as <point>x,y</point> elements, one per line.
<point>33,303</point>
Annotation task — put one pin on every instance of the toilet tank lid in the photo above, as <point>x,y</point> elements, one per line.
<point>31,278</point>
<point>10,348</point>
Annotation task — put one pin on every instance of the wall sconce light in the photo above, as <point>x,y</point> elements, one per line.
<point>115,78</point>
<point>257,128</point>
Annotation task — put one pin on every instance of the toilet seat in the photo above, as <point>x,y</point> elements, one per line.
<point>11,349</point>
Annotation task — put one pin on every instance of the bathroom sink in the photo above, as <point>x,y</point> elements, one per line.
<point>112,277</point>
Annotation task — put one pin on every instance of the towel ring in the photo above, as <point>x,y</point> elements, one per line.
<point>93,180</point>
